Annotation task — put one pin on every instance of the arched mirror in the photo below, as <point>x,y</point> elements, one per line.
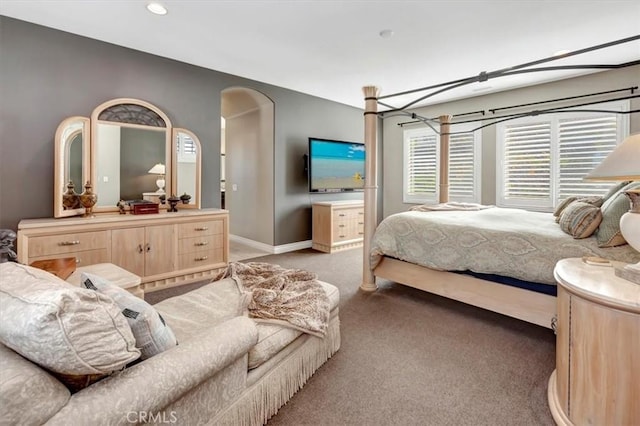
<point>186,171</point>
<point>130,152</point>
<point>71,168</point>
<point>133,154</point>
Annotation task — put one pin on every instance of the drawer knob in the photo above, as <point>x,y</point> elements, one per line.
<point>341,236</point>
<point>202,228</point>
<point>140,249</point>
<point>341,215</point>
<point>341,226</point>
<point>69,243</point>
<point>199,259</point>
<point>202,243</point>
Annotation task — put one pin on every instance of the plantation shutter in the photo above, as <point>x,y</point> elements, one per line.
<point>527,163</point>
<point>421,165</point>
<point>583,143</point>
<point>186,148</point>
<point>462,182</point>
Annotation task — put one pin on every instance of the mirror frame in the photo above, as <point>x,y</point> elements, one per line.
<point>174,159</point>
<point>62,140</point>
<point>94,130</point>
<point>89,128</point>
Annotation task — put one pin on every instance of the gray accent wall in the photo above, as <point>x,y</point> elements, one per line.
<point>48,75</point>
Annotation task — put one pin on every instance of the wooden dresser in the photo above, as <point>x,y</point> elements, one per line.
<point>597,376</point>
<point>164,249</point>
<point>337,225</point>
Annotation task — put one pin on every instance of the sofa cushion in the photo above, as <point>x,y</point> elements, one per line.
<point>273,338</point>
<point>24,384</point>
<point>151,332</point>
<point>68,330</point>
<point>200,309</point>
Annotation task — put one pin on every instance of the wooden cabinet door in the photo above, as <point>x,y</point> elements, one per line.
<point>604,365</point>
<point>127,249</point>
<point>160,249</point>
<point>562,348</point>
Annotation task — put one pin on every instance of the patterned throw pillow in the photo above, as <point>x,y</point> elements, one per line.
<point>580,219</point>
<point>76,334</point>
<point>608,234</point>
<point>152,334</point>
<point>594,200</point>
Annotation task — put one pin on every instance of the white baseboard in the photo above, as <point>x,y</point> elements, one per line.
<point>283,248</point>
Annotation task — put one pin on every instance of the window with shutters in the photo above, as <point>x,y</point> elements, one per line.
<point>186,148</point>
<point>421,166</point>
<point>543,160</point>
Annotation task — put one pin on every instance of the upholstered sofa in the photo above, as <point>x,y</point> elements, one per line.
<point>225,369</point>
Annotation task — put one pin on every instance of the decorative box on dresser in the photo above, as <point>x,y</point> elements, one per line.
<point>337,225</point>
<point>164,249</point>
<point>597,376</point>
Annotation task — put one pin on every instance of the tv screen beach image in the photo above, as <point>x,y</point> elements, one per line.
<point>336,166</point>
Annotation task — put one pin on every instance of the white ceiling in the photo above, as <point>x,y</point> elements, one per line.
<point>331,48</point>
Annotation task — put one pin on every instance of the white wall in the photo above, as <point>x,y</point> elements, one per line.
<point>392,133</point>
<point>249,169</point>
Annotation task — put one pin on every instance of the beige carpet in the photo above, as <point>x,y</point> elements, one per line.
<point>412,358</point>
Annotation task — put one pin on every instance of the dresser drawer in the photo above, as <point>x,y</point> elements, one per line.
<point>196,229</point>
<point>193,260</point>
<point>199,244</point>
<point>83,258</point>
<point>348,214</point>
<point>67,243</point>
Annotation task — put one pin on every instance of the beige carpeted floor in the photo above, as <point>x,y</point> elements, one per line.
<point>412,358</point>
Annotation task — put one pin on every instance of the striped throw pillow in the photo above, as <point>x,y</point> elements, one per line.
<point>580,219</point>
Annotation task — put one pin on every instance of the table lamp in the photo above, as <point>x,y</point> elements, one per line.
<point>623,163</point>
<point>159,170</point>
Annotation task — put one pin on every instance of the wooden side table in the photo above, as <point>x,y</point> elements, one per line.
<point>113,273</point>
<point>62,267</point>
<point>597,376</point>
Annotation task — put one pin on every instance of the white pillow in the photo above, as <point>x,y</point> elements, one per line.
<point>151,332</point>
<point>68,330</point>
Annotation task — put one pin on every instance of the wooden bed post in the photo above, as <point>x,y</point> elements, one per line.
<point>444,158</point>
<point>370,183</point>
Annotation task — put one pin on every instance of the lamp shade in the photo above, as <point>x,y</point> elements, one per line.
<point>158,169</point>
<point>623,163</point>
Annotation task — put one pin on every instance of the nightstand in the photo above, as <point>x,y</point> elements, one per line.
<point>597,376</point>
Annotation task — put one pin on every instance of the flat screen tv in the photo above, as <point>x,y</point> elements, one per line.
<point>335,166</point>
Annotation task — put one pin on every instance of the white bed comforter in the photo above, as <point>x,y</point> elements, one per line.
<point>510,242</point>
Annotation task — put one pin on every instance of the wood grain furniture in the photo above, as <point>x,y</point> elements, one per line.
<point>113,273</point>
<point>61,267</point>
<point>530,306</point>
<point>337,225</point>
<point>165,249</point>
<point>597,376</point>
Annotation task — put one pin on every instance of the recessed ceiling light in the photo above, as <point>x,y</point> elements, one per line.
<point>386,33</point>
<point>157,8</point>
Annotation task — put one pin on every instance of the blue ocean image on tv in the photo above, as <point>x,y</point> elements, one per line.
<point>336,165</point>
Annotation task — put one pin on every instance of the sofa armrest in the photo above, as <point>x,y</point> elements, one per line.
<point>149,386</point>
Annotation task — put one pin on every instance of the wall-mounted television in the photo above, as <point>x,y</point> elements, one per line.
<point>335,166</point>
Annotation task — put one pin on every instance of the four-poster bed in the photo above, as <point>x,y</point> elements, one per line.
<point>531,306</point>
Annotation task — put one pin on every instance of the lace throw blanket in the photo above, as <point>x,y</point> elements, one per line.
<point>289,297</point>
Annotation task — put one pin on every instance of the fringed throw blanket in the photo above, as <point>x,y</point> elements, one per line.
<point>290,297</point>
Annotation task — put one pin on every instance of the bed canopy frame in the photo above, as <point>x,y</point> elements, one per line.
<point>536,308</point>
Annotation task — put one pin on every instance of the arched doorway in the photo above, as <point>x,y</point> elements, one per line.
<point>247,146</point>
